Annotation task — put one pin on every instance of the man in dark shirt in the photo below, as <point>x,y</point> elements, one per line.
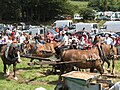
<point>36,38</point>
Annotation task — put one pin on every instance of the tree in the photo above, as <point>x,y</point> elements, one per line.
<point>104,5</point>
<point>87,13</point>
<point>34,10</point>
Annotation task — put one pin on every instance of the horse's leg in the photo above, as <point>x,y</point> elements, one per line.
<point>62,70</point>
<point>104,58</point>
<point>14,70</point>
<point>113,66</point>
<point>108,68</point>
<point>100,69</point>
<point>69,67</point>
<point>92,69</point>
<point>5,67</point>
<point>8,70</point>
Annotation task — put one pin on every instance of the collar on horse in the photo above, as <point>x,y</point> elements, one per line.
<point>7,55</point>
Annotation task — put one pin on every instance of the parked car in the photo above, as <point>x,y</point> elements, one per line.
<point>103,18</point>
<point>118,33</point>
<point>80,33</point>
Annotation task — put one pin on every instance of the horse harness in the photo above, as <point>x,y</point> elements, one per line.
<point>7,56</point>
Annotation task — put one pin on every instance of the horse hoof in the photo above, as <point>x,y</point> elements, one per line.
<point>8,74</point>
<point>112,73</point>
<point>15,78</point>
<point>108,70</point>
<point>5,75</point>
<point>19,60</point>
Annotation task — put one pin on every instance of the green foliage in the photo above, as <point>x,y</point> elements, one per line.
<point>80,4</point>
<point>33,10</point>
<point>87,13</point>
<point>28,78</point>
<point>79,0</point>
<point>104,5</point>
<point>31,78</point>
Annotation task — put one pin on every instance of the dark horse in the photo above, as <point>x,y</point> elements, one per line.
<point>10,54</point>
<point>108,52</point>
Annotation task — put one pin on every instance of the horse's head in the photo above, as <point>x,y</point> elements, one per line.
<point>97,39</point>
<point>14,52</point>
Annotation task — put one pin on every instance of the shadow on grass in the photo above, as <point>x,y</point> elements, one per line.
<point>53,82</point>
<point>2,76</point>
<point>30,68</point>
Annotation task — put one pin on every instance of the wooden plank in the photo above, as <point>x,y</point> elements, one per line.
<point>111,76</point>
<point>58,63</point>
<point>55,62</point>
<point>34,57</point>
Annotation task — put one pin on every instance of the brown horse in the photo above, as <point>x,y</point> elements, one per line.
<point>41,50</point>
<point>84,58</point>
<point>10,54</point>
<point>108,52</point>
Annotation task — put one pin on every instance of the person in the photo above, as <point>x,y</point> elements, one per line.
<point>63,44</point>
<point>4,38</point>
<point>108,40</point>
<point>84,34</point>
<point>114,41</point>
<point>81,44</point>
<point>89,44</point>
<point>22,38</point>
<point>117,40</point>
<point>37,38</point>
<point>58,37</point>
<point>14,41</point>
<point>50,36</point>
<point>65,41</point>
<point>57,29</point>
<point>74,41</point>
<point>10,39</point>
<point>13,34</point>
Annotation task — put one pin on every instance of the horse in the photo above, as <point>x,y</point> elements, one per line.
<point>41,50</point>
<point>108,52</point>
<point>84,58</point>
<point>10,55</point>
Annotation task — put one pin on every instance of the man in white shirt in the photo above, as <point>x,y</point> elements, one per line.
<point>62,45</point>
<point>65,40</point>
<point>22,38</point>
<point>21,41</point>
<point>108,40</point>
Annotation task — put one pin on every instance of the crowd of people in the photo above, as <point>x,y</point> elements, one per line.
<point>85,41</point>
<point>63,38</point>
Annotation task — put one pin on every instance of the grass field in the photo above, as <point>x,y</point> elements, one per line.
<point>28,78</point>
<point>79,3</point>
<point>31,78</point>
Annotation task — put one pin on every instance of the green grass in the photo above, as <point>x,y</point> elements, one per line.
<point>28,78</point>
<point>79,3</point>
<point>31,78</point>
